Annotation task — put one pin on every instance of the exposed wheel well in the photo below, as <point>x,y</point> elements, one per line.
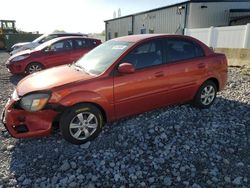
<point>216,82</point>
<point>96,105</point>
<point>55,122</point>
<point>34,62</point>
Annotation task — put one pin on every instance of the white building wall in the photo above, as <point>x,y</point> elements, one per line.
<point>160,21</point>
<point>120,26</point>
<point>216,13</point>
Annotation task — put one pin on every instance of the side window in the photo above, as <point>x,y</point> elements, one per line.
<point>145,55</point>
<point>177,50</point>
<point>80,43</point>
<point>92,43</point>
<point>62,46</point>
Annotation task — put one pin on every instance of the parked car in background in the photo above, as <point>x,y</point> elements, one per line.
<point>59,51</point>
<point>44,38</point>
<point>121,77</point>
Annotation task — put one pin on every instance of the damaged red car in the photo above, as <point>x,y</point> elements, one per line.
<point>121,77</point>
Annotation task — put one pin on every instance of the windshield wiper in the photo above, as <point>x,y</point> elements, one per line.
<point>80,67</point>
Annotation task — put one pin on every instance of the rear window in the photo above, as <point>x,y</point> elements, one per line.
<point>181,49</point>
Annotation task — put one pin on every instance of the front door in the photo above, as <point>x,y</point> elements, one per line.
<point>142,90</point>
<point>60,53</point>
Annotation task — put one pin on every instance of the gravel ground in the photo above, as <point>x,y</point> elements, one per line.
<point>176,146</point>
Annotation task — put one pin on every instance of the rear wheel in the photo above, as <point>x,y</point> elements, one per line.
<point>81,123</point>
<point>206,95</point>
<point>34,67</point>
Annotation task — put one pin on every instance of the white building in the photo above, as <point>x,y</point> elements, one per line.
<point>176,17</point>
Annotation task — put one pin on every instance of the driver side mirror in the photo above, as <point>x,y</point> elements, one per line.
<point>49,49</point>
<point>126,68</point>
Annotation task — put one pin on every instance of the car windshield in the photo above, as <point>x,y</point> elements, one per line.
<point>43,45</point>
<point>100,58</point>
<point>40,38</point>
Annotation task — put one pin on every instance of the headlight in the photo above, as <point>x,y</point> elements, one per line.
<point>34,102</point>
<point>19,58</point>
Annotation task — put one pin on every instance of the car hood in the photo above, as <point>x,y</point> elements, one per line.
<point>50,78</point>
<point>24,47</point>
<point>20,44</point>
<point>25,52</point>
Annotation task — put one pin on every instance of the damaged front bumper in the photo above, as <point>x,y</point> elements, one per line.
<point>24,124</point>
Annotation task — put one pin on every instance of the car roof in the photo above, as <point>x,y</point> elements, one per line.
<point>48,43</point>
<point>140,37</point>
<point>67,37</point>
<point>70,34</point>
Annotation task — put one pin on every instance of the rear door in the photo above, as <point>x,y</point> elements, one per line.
<point>81,47</point>
<point>185,69</point>
<point>59,53</point>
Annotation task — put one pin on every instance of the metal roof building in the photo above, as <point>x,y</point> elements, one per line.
<point>174,18</point>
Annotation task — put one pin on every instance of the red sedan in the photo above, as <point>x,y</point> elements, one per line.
<point>59,51</point>
<point>121,77</point>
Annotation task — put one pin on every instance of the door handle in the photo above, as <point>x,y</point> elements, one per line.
<point>159,74</point>
<point>201,65</point>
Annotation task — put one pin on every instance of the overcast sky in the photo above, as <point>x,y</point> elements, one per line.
<point>86,16</point>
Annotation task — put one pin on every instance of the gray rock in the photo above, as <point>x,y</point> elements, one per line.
<point>85,146</point>
<point>143,184</point>
<point>240,164</point>
<point>73,184</point>
<point>64,181</point>
<point>27,181</point>
<point>94,178</point>
<point>151,131</point>
<point>73,165</point>
<point>21,178</point>
<point>151,180</point>
<point>163,136</point>
<point>112,164</point>
<point>91,185</point>
<point>102,163</point>
<point>227,179</point>
<point>238,180</point>
<point>80,177</point>
<point>195,185</point>
<point>167,181</point>
<point>226,161</point>
<point>117,177</point>
<point>182,169</point>
<point>65,166</point>
<point>54,180</point>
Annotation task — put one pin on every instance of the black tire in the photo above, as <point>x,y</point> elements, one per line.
<point>206,95</point>
<point>71,126</point>
<point>34,67</point>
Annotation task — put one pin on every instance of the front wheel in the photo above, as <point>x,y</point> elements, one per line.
<point>81,123</point>
<point>34,67</point>
<point>205,95</point>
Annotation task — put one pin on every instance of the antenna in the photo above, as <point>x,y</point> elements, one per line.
<point>119,12</point>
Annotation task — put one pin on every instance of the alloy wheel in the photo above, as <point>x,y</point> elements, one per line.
<point>34,68</point>
<point>207,95</point>
<point>83,125</point>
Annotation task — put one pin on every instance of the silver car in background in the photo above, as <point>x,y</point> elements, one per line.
<point>44,38</point>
